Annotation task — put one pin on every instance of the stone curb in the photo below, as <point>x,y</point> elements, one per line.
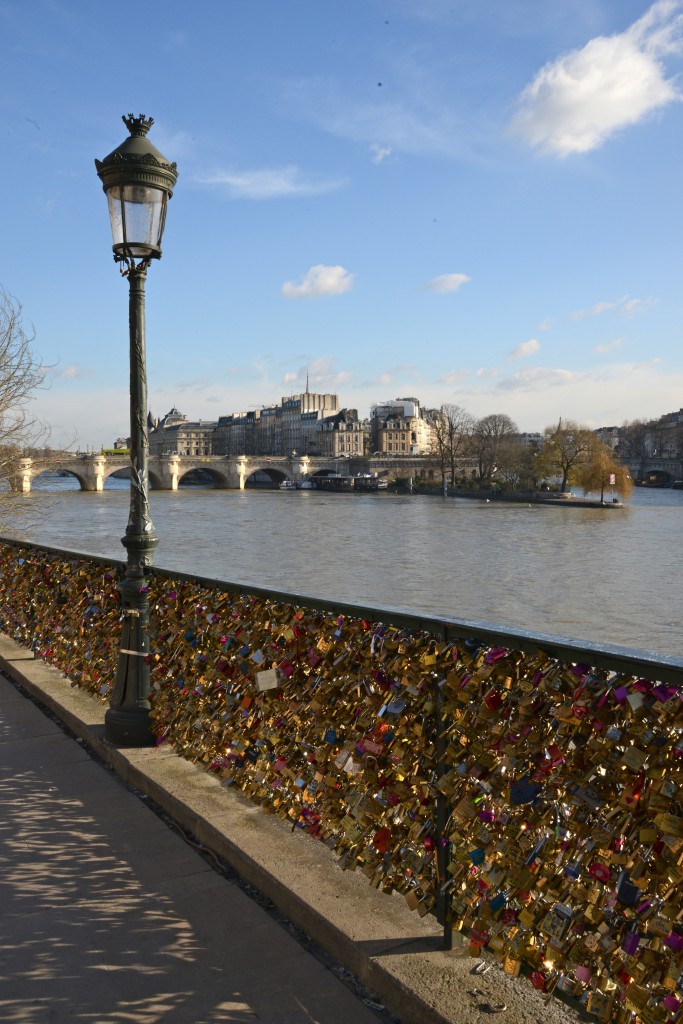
<point>394,953</point>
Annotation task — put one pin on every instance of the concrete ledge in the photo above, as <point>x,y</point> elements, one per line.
<point>393,951</point>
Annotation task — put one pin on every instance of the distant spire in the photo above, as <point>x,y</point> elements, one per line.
<point>306,381</point>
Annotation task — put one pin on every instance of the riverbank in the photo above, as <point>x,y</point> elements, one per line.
<point>565,500</point>
<point>525,498</point>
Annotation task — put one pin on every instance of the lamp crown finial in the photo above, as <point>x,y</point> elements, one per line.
<point>139,125</point>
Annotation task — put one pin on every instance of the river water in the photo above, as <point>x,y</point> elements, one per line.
<point>610,576</point>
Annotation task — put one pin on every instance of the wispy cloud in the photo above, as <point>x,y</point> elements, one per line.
<point>319,280</point>
<point>446,283</point>
<point>379,153</point>
<point>524,350</point>
<point>382,380</point>
<point>269,183</point>
<point>176,145</point>
<point>455,376</point>
<point>583,98</point>
<point>609,346</point>
<point>401,376</point>
<point>596,310</point>
<point>625,307</point>
<point>634,307</point>
<point>546,325</point>
<point>194,384</point>
<point>72,371</point>
<point>536,378</point>
<point>535,398</point>
<point>173,40</point>
<point>322,375</point>
<point>418,118</point>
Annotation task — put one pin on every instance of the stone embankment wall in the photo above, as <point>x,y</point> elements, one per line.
<point>536,799</point>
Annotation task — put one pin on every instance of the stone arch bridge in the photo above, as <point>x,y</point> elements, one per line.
<point>231,471</point>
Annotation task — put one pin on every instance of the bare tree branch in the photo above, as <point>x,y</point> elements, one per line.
<point>22,372</point>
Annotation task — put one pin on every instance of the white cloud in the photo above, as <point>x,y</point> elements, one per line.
<point>270,183</point>
<point>173,40</point>
<point>320,374</point>
<point>379,153</point>
<point>625,307</point>
<point>609,346</point>
<point>634,307</point>
<point>446,283</point>
<point>535,379</point>
<point>455,376</point>
<point>545,325</point>
<point>526,349</point>
<point>596,310</point>
<point>319,280</point>
<point>535,398</point>
<point>72,371</point>
<point>194,384</point>
<point>414,117</point>
<point>584,97</point>
<point>176,145</point>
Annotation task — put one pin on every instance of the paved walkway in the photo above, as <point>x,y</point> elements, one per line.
<point>107,915</point>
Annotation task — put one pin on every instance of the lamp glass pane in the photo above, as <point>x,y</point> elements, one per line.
<point>137,218</point>
<point>115,214</point>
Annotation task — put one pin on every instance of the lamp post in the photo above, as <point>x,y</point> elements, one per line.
<point>138,182</point>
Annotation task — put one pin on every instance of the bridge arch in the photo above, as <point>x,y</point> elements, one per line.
<point>276,476</point>
<point>46,474</point>
<point>110,470</point>
<point>193,474</point>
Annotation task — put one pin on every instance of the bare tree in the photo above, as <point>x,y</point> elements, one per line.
<point>21,373</point>
<point>459,426</point>
<point>439,443</point>
<point>451,429</point>
<point>518,463</point>
<point>633,439</point>
<point>487,441</point>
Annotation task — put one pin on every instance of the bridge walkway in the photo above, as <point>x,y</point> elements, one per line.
<point>112,915</point>
<point>109,916</point>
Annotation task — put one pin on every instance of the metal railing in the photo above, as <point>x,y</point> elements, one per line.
<point>504,779</point>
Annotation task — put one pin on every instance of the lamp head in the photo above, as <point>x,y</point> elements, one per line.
<point>138,182</point>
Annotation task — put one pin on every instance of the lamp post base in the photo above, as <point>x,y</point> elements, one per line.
<point>128,727</point>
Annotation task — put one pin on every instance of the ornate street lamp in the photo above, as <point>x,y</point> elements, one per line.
<point>138,182</point>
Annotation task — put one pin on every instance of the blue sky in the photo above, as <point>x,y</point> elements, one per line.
<point>469,201</point>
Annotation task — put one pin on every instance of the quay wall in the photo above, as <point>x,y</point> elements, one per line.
<point>524,788</point>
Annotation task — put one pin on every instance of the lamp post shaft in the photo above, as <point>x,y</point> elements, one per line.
<point>127,720</point>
